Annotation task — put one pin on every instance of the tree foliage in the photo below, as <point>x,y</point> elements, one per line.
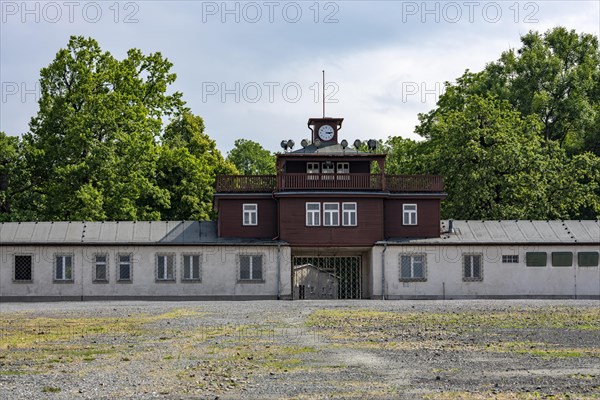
<point>251,158</point>
<point>98,148</point>
<point>518,139</point>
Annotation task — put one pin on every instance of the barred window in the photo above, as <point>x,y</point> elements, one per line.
<point>100,268</point>
<point>472,267</point>
<point>412,267</point>
<point>124,267</point>
<point>192,264</point>
<point>510,259</point>
<point>23,268</point>
<point>63,271</point>
<point>251,268</point>
<point>165,267</point>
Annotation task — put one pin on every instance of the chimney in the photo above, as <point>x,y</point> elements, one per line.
<point>450,226</point>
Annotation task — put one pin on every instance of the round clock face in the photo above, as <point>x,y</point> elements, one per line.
<point>326,132</point>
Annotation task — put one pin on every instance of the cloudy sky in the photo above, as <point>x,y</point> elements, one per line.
<point>253,69</point>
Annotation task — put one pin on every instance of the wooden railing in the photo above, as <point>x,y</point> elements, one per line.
<point>245,183</point>
<point>329,181</point>
<point>377,182</point>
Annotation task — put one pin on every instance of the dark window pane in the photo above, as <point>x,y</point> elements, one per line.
<point>245,267</point>
<point>587,258</point>
<point>536,259</point>
<point>562,259</point>
<point>22,268</point>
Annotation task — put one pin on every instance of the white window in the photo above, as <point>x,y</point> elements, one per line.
<point>409,214</point>
<point>510,259</point>
<point>412,267</point>
<point>251,268</point>
<point>100,268</point>
<point>472,267</point>
<point>331,214</point>
<point>343,168</point>
<point>165,267</point>
<point>312,168</point>
<point>192,267</point>
<point>313,214</point>
<point>349,214</point>
<point>64,268</point>
<point>124,267</point>
<point>328,167</point>
<point>250,214</point>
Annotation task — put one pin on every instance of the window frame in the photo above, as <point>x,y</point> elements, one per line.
<point>250,213</point>
<point>310,167</point>
<point>471,257</point>
<point>166,256</point>
<point>581,254</point>
<point>350,213</point>
<point>328,167</point>
<point>63,256</point>
<point>312,213</point>
<point>408,221</point>
<point>251,258</point>
<point>556,259</point>
<point>118,265</point>
<point>528,260</point>
<point>412,257</point>
<point>14,274</point>
<point>510,258</point>
<point>335,212</point>
<point>106,268</point>
<point>191,278</point>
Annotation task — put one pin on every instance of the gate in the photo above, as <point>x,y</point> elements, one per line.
<point>346,270</point>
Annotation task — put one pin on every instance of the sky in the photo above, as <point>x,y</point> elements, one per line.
<point>253,70</point>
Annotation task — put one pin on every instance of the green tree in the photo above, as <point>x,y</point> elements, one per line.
<point>8,160</point>
<point>188,164</point>
<point>93,145</point>
<point>250,158</point>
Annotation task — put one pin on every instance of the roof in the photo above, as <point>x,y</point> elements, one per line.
<point>512,231</point>
<point>120,232</point>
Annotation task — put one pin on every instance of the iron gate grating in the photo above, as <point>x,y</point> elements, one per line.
<point>347,269</point>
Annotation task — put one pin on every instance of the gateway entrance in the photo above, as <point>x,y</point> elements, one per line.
<point>321,277</point>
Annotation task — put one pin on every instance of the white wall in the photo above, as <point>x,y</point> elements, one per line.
<point>219,272</point>
<point>444,274</point>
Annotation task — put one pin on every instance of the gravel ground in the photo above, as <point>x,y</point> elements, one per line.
<point>519,349</point>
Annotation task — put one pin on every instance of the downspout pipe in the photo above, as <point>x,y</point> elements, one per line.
<point>278,271</point>
<point>383,271</point>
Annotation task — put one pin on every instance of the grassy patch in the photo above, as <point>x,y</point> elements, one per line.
<point>51,389</point>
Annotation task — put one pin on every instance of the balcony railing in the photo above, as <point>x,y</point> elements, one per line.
<point>289,181</point>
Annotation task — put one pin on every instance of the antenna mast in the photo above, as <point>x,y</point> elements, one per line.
<point>323,93</point>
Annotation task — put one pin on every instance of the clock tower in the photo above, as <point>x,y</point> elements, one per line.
<point>325,130</point>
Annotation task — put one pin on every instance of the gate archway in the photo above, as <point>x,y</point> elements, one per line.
<point>344,271</point>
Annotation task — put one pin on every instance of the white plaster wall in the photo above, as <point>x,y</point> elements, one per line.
<point>219,272</point>
<point>445,276</point>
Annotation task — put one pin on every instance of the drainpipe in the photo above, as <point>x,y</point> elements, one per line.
<point>383,271</point>
<point>278,271</point>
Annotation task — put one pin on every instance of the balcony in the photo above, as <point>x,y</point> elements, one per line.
<point>367,182</point>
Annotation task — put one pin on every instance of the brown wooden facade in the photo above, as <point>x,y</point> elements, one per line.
<point>327,172</point>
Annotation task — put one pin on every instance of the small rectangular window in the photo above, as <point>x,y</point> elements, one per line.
<point>192,267</point>
<point>409,214</point>
<point>562,259</point>
<point>328,167</point>
<point>313,214</point>
<point>343,168</point>
<point>251,268</point>
<point>412,267</point>
<point>587,258</point>
<point>510,259</point>
<point>312,168</point>
<point>472,267</point>
<point>100,268</point>
<point>63,271</point>
<point>536,259</point>
<point>124,267</point>
<point>331,214</point>
<point>165,267</point>
<point>250,212</point>
<point>23,268</point>
<point>349,217</point>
